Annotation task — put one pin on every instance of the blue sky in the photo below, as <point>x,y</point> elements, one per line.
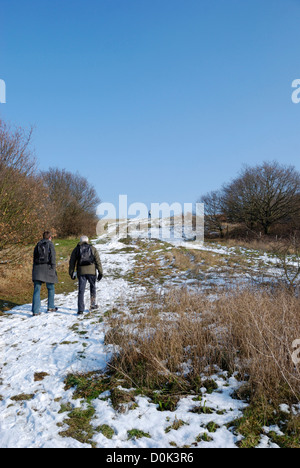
<point>162,100</point>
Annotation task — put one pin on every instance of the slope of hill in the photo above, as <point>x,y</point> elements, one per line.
<point>54,387</point>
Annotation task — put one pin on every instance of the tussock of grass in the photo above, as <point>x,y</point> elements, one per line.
<point>120,397</point>
<point>106,430</point>
<point>22,397</point>
<point>137,434</point>
<point>203,438</point>
<point>177,424</point>
<point>38,376</point>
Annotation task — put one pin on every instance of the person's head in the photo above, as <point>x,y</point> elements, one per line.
<point>47,235</point>
<point>84,240</point>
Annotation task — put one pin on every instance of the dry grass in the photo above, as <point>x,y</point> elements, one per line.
<point>179,259</point>
<point>194,260</point>
<point>258,329</point>
<point>248,331</point>
<point>16,278</point>
<point>156,342</point>
<point>261,244</point>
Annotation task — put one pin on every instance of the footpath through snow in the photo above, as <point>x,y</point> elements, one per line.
<point>36,355</point>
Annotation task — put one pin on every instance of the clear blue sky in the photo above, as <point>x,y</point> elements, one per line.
<point>162,100</point>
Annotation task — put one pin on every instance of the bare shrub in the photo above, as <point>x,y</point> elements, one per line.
<point>288,254</point>
<point>74,202</point>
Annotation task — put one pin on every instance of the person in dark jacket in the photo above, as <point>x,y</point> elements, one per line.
<point>44,271</point>
<point>86,260</point>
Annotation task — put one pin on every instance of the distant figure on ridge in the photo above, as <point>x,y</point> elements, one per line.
<point>86,260</point>
<point>44,271</point>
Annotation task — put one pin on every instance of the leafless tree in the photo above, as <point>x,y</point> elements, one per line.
<point>16,150</point>
<point>263,196</point>
<point>214,215</point>
<point>23,200</point>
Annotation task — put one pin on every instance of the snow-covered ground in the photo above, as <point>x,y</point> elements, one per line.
<point>56,344</point>
<point>36,355</point>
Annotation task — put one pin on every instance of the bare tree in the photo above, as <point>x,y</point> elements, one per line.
<point>23,200</point>
<point>263,196</point>
<point>214,215</point>
<point>15,149</point>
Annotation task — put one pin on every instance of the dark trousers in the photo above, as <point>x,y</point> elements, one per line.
<point>82,280</point>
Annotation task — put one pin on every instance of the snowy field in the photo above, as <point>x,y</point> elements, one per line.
<point>36,355</point>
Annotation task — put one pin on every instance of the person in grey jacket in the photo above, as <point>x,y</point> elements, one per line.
<point>44,271</point>
<point>85,259</point>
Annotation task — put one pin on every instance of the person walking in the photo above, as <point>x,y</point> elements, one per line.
<point>44,271</point>
<point>85,259</point>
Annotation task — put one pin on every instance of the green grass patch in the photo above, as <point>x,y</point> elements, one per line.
<point>137,434</point>
<point>88,386</point>
<point>64,247</point>
<point>65,408</point>
<point>106,430</point>
<point>261,414</point>
<point>79,425</point>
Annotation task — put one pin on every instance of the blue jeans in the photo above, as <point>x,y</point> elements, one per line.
<point>36,301</point>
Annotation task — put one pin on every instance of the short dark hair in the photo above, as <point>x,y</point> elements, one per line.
<point>47,235</point>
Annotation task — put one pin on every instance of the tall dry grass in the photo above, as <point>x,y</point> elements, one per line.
<point>258,330</point>
<point>177,338</point>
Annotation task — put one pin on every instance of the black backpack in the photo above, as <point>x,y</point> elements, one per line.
<point>85,255</point>
<point>42,255</point>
